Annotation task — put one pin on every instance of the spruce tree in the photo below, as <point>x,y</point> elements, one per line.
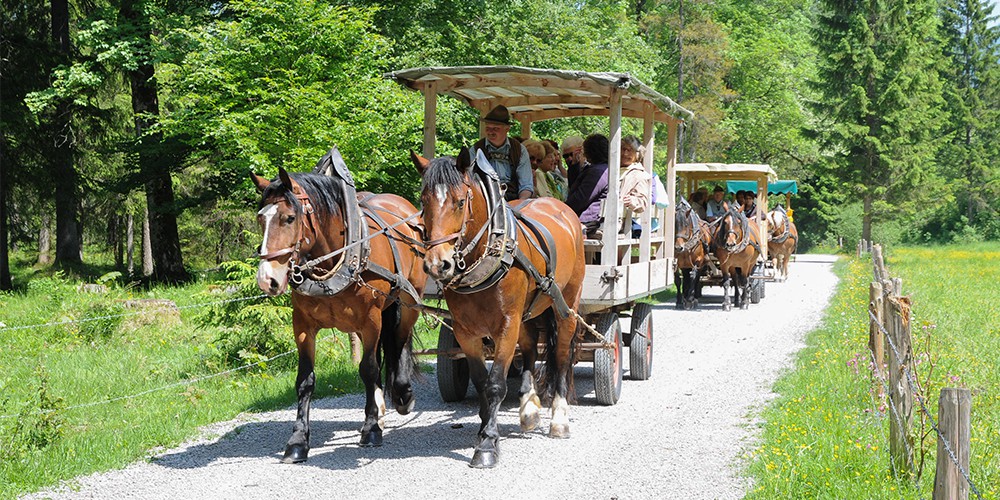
<point>880,98</point>
<point>971,43</point>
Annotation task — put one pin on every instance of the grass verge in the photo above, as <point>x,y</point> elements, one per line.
<point>826,435</point>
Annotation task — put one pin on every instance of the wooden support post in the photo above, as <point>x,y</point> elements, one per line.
<point>876,339</point>
<point>900,437</point>
<point>954,408</point>
<point>878,264</point>
<point>430,120</point>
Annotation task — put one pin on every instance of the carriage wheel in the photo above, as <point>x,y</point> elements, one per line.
<point>756,290</point>
<point>641,348</point>
<point>452,374</point>
<point>608,362</point>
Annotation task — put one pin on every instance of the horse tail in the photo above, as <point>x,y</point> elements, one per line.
<point>397,353</point>
<point>551,380</point>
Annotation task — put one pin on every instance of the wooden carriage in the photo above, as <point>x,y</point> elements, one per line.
<point>745,176</point>
<point>612,287</point>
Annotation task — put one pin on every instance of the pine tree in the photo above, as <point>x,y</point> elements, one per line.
<point>880,98</point>
<point>972,43</point>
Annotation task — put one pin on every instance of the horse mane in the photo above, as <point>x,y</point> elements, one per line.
<point>442,171</point>
<point>325,192</point>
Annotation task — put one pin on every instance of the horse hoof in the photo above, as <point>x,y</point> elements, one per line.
<point>484,459</point>
<point>371,438</point>
<point>405,408</point>
<point>529,421</point>
<point>295,453</point>
<point>727,307</point>
<point>560,431</point>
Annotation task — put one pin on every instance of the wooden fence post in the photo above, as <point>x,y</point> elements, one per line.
<point>878,264</point>
<point>954,409</point>
<point>900,437</point>
<point>876,339</point>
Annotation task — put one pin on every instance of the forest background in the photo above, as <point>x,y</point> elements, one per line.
<point>128,127</point>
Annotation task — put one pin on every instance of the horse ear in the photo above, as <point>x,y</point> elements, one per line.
<point>464,160</point>
<point>288,181</point>
<point>260,182</point>
<point>419,161</point>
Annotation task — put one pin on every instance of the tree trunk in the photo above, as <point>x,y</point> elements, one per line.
<point>147,250</point>
<point>5,281</point>
<point>45,241</point>
<point>168,264</point>
<point>130,245</point>
<point>69,234</point>
<point>866,219</point>
<point>680,72</point>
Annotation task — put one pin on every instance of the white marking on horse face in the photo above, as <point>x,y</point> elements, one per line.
<point>268,270</point>
<point>441,193</point>
<point>267,213</point>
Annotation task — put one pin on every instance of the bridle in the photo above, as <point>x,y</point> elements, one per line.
<point>306,209</point>
<point>694,239</point>
<point>738,247</point>
<point>786,232</point>
<point>461,249</point>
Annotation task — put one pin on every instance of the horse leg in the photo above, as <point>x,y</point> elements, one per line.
<point>688,288</point>
<point>744,282</point>
<point>531,405</point>
<point>726,304</point>
<point>297,448</point>
<point>396,338</point>
<point>370,371</point>
<point>491,386</point>
<point>560,367</point>
<point>694,286</point>
<point>678,282</point>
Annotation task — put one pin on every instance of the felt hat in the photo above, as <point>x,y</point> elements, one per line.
<point>499,115</point>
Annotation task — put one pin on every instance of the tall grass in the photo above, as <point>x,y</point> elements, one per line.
<point>47,373</point>
<point>826,435</point>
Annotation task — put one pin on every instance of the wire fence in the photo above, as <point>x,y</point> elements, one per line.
<point>881,276</point>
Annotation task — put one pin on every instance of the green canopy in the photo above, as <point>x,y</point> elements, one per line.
<point>777,187</point>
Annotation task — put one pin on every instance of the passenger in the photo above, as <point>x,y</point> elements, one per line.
<point>697,202</point>
<point>560,170</point>
<point>572,153</point>
<point>750,205</point>
<point>542,156</point>
<point>590,186</point>
<point>557,184</point>
<point>717,206</point>
<point>507,155</point>
<point>633,182</point>
<point>738,198</point>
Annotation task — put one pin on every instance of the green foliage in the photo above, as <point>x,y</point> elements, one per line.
<point>249,332</point>
<point>38,424</point>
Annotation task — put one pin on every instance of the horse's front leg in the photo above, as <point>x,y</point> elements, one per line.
<point>744,288</point>
<point>693,287</point>
<point>494,390</point>
<point>297,448</point>
<point>726,304</point>
<point>679,283</point>
<point>370,372</point>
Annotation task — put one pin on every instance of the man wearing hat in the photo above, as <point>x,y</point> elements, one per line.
<point>507,155</point>
<point>572,153</point>
<point>717,206</point>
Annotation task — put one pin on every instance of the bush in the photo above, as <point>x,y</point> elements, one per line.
<point>38,425</point>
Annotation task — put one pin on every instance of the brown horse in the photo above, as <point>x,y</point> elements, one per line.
<point>782,240</point>
<point>691,241</point>
<point>499,266</point>
<point>737,246</point>
<point>307,216</point>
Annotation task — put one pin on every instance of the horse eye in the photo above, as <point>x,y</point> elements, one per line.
<point>461,204</point>
<point>291,219</point>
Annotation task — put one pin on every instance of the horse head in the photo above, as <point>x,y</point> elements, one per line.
<point>286,217</point>
<point>454,208</point>
<point>684,225</point>
<point>777,220</point>
<point>732,229</point>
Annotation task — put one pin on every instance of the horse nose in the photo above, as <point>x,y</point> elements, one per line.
<point>439,268</point>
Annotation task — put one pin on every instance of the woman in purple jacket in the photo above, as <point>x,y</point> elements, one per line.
<point>591,185</point>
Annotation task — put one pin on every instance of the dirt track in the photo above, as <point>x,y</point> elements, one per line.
<point>680,434</point>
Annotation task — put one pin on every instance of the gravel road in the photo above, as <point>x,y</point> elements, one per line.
<point>681,434</point>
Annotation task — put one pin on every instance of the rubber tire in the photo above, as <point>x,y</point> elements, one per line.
<point>641,349</point>
<point>452,374</point>
<point>608,362</point>
<point>756,290</point>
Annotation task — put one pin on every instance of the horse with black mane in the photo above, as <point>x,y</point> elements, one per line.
<point>500,266</point>
<point>782,240</point>
<point>338,249</point>
<point>737,246</point>
<point>691,249</point>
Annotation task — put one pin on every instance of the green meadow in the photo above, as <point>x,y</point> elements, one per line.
<point>73,394</point>
<point>826,435</point>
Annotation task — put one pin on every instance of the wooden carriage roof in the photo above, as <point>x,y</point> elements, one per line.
<point>532,94</point>
<point>725,171</point>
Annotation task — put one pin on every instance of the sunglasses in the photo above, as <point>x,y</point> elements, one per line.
<point>567,156</point>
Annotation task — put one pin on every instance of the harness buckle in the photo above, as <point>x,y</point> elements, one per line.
<point>296,275</point>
